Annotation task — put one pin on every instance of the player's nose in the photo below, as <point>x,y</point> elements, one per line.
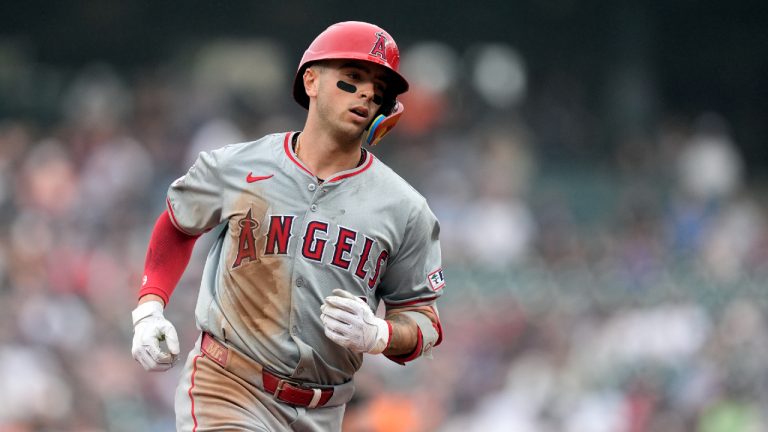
<point>367,91</point>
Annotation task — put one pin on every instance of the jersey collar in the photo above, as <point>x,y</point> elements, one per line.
<point>336,177</point>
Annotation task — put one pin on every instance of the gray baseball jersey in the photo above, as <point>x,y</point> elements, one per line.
<point>289,240</point>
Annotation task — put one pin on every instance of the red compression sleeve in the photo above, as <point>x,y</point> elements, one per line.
<point>167,256</point>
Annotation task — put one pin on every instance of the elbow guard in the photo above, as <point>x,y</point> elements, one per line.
<point>430,336</point>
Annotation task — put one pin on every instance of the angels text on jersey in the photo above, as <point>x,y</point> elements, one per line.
<point>319,241</point>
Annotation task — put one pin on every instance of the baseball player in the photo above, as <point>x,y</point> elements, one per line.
<point>313,232</point>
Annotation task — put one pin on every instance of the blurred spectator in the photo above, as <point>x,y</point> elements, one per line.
<point>709,166</point>
<point>34,392</point>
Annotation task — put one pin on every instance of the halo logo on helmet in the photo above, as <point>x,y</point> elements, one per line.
<point>356,40</point>
<point>378,47</point>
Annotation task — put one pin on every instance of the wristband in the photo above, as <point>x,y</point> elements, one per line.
<point>146,309</point>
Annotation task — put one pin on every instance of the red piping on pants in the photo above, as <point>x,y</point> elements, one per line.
<point>191,386</point>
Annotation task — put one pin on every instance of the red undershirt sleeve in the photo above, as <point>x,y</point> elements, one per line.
<point>168,254</point>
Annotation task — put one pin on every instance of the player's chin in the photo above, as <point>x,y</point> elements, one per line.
<point>354,128</point>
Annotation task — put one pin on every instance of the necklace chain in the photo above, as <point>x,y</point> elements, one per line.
<point>363,152</point>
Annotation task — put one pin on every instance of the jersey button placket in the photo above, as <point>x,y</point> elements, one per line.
<point>313,207</point>
<point>312,187</point>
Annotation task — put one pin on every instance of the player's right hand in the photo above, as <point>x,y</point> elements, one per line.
<point>149,329</point>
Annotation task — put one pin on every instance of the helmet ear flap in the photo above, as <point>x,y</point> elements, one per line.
<point>384,121</point>
<point>388,105</point>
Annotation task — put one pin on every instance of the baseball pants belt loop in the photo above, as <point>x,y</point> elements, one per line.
<point>282,388</point>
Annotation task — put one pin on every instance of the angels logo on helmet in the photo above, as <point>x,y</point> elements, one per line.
<point>378,49</point>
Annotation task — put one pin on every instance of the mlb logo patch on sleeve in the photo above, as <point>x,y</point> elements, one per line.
<point>436,279</point>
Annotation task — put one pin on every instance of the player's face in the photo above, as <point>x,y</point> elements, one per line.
<point>350,94</point>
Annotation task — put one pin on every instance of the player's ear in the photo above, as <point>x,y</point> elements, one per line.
<point>311,78</point>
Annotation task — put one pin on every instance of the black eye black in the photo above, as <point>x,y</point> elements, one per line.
<point>377,99</point>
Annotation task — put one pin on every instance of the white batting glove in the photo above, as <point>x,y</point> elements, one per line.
<point>149,329</point>
<point>349,322</point>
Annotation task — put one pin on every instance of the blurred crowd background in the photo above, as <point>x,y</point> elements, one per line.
<point>598,168</point>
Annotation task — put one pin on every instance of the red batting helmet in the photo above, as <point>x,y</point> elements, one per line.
<point>352,40</point>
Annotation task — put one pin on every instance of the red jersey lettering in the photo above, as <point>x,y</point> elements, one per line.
<point>314,247</point>
<point>344,245</point>
<point>360,272</point>
<point>246,248</point>
<point>382,257</point>
<point>279,234</point>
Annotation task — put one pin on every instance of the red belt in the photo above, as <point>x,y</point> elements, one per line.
<point>283,389</point>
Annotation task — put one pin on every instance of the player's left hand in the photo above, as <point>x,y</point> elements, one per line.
<point>350,322</point>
